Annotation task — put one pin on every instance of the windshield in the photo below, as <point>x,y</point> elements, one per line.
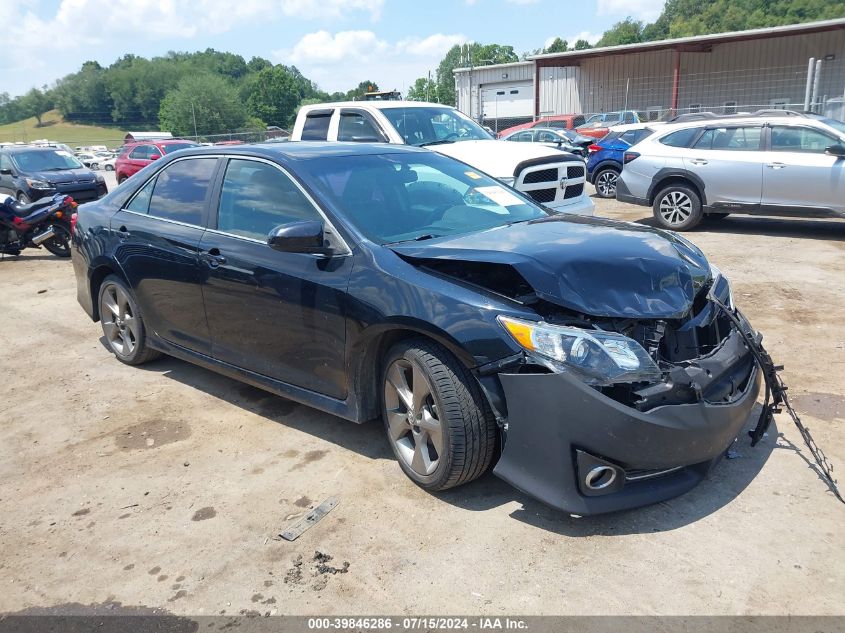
<point>836,125</point>
<point>416,196</point>
<point>49,160</point>
<point>170,148</point>
<point>430,126</point>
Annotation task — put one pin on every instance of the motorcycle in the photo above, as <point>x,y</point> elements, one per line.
<point>45,222</point>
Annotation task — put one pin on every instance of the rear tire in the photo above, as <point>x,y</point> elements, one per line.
<point>605,183</point>
<point>123,325</point>
<point>109,167</point>
<point>60,244</point>
<point>677,207</point>
<point>438,422</point>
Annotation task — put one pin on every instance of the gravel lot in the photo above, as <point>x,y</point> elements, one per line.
<point>166,485</point>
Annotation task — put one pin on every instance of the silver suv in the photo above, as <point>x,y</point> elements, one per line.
<point>787,166</point>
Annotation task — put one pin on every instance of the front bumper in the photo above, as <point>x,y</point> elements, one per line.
<point>557,426</point>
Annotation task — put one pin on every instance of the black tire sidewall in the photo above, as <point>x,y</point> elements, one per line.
<point>49,246</point>
<point>441,473</point>
<point>692,221</point>
<point>23,198</point>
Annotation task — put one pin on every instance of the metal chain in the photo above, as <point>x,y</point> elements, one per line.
<point>776,390</point>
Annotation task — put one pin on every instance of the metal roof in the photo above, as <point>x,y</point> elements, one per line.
<point>697,40</point>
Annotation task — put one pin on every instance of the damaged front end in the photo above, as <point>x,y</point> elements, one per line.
<point>605,414</point>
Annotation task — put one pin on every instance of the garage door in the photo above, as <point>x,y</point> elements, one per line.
<point>508,100</point>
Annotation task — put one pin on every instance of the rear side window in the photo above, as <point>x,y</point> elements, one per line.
<point>524,137</point>
<point>180,190</point>
<point>681,138</point>
<point>257,197</point>
<point>731,138</point>
<point>632,137</point>
<point>316,127</point>
<point>578,121</point>
<point>357,127</point>
<point>141,202</point>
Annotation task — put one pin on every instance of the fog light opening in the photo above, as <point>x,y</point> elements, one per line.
<point>600,477</point>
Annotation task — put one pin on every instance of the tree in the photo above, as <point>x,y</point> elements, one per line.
<point>423,89</point>
<point>628,31</point>
<point>275,93</point>
<point>207,100</point>
<point>557,46</point>
<point>35,103</point>
<point>582,45</point>
<point>361,89</point>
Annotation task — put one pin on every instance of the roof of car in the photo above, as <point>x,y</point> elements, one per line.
<point>19,149</point>
<point>305,150</point>
<point>378,105</point>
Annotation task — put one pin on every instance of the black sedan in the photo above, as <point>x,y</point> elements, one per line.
<point>590,362</point>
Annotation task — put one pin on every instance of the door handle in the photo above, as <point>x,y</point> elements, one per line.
<point>775,165</point>
<point>213,258</point>
<point>124,233</point>
<point>698,161</point>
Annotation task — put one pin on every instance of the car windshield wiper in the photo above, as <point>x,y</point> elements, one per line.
<point>439,142</point>
<point>418,238</point>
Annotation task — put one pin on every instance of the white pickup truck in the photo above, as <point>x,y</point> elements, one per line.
<point>551,177</point>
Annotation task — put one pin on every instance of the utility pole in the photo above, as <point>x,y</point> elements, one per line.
<point>194,115</point>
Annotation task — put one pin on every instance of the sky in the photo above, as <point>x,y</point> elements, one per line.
<point>337,43</point>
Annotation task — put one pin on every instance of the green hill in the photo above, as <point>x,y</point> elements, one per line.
<point>56,129</point>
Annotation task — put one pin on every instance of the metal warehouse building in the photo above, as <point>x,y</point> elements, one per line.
<point>726,72</point>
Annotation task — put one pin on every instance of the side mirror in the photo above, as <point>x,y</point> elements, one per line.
<point>155,157</point>
<point>835,150</point>
<point>299,237</point>
<point>6,172</point>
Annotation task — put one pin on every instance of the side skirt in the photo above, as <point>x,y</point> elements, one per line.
<point>347,409</point>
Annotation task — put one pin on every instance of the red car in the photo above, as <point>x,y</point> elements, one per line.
<point>135,156</point>
<point>561,121</point>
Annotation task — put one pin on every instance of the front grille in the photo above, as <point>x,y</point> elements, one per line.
<point>575,171</point>
<point>544,175</point>
<point>573,191</point>
<point>542,195</point>
<point>635,474</point>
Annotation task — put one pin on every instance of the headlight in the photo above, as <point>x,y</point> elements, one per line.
<point>597,357</point>
<point>508,180</point>
<point>38,184</point>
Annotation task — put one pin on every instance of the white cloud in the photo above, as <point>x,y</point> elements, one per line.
<point>522,1</point>
<point>647,10</point>
<point>592,38</point>
<point>344,59</point>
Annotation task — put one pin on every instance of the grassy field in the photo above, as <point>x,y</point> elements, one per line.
<point>56,129</point>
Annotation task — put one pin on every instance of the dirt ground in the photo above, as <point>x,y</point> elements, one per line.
<point>166,486</point>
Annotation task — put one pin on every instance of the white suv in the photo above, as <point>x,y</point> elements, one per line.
<point>551,177</point>
<point>787,166</point>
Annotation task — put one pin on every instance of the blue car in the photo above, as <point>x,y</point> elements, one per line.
<point>605,164</point>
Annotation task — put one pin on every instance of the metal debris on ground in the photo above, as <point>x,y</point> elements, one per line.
<point>309,520</point>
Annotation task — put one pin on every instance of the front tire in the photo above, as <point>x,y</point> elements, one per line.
<point>677,208</point>
<point>23,198</point>
<point>109,167</point>
<point>439,425</point>
<point>605,182</point>
<point>60,244</point>
<point>123,326</point>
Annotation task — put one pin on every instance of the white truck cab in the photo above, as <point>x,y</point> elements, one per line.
<point>551,177</point>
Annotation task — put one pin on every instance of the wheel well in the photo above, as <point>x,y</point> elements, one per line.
<point>100,273</point>
<point>674,180</point>
<point>366,367</point>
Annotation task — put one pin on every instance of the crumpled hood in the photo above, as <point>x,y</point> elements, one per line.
<point>499,158</point>
<point>590,265</point>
